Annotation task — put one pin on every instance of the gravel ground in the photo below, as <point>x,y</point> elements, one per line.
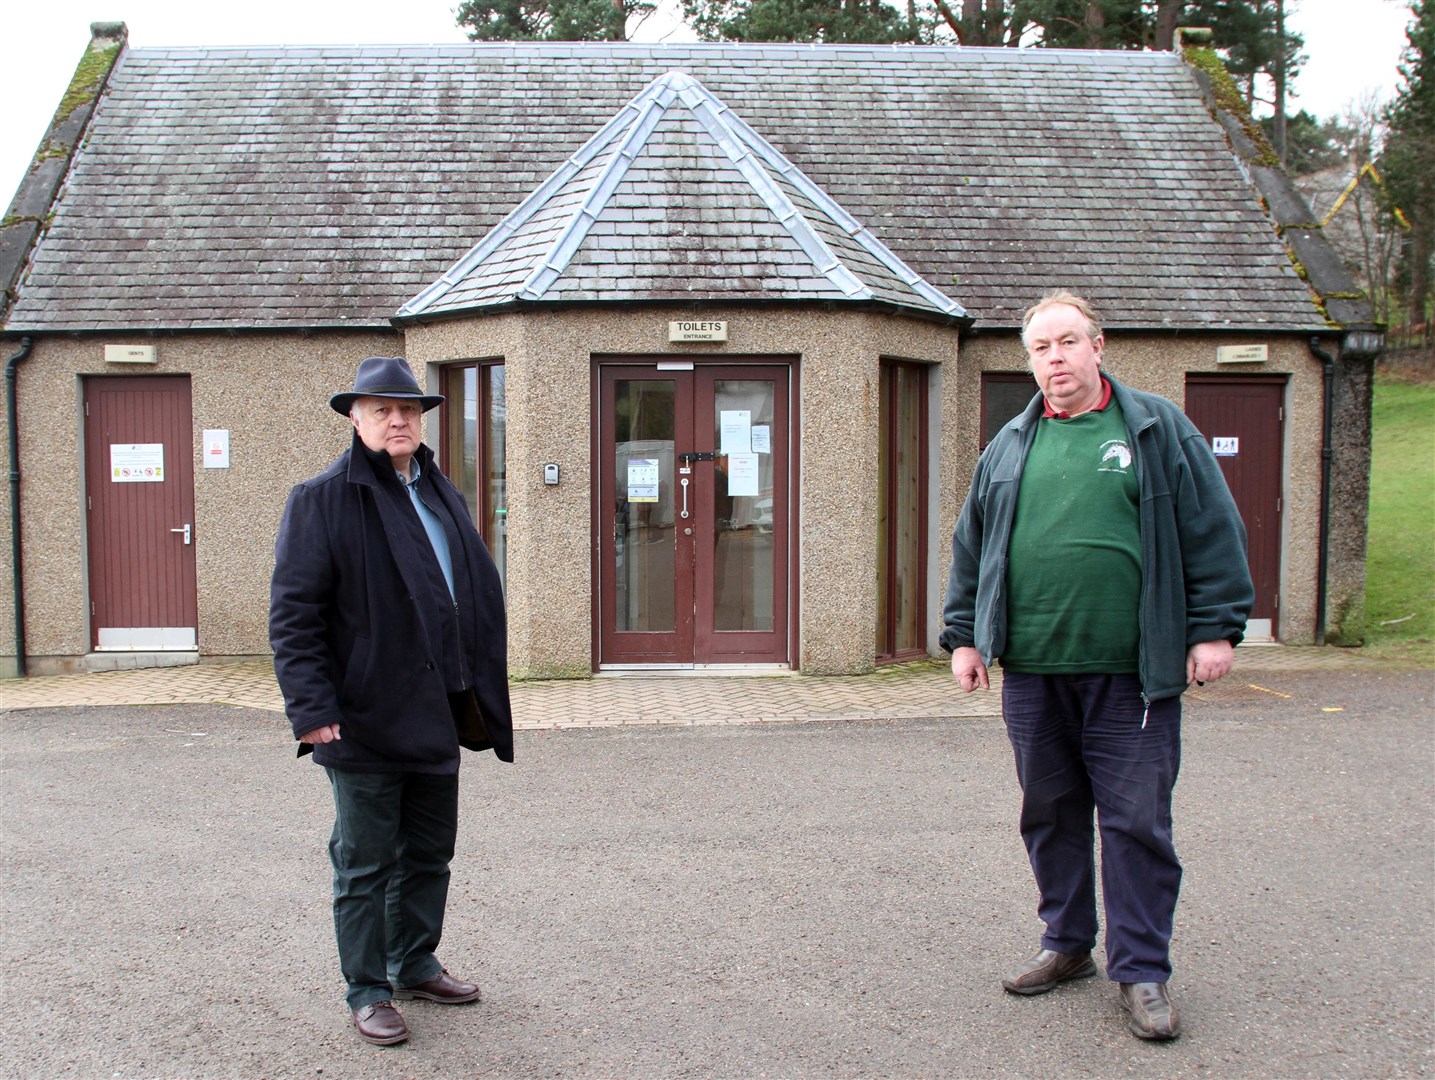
<point>781,900</point>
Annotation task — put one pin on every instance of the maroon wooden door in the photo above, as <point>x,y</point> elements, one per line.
<point>139,487</point>
<point>1243,421</point>
<point>692,513</point>
<point>741,501</point>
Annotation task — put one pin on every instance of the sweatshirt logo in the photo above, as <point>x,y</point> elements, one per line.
<point>1115,456</point>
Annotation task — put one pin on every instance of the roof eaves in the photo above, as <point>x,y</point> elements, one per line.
<point>963,321</point>
<point>232,327</point>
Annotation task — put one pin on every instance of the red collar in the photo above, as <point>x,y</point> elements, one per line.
<point>1048,413</point>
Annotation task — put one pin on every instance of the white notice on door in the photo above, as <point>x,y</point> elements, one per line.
<point>736,428</point>
<point>1226,445</point>
<point>136,463</point>
<point>742,474</point>
<point>761,439</point>
<point>642,480</point>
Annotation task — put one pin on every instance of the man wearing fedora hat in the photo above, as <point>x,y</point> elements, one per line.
<point>387,624</point>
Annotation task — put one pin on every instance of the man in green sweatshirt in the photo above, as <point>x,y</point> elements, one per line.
<point>1101,558</point>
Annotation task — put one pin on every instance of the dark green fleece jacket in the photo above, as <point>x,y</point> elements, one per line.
<point>1195,582</point>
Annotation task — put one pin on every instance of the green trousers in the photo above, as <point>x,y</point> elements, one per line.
<point>393,840</point>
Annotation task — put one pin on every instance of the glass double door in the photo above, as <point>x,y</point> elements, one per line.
<point>693,519</point>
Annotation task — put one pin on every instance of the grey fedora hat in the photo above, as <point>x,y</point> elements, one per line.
<point>384,376</point>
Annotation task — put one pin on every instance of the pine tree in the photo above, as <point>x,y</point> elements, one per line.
<point>1407,160</point>
<point>550,20</point>
<point>828,21</point>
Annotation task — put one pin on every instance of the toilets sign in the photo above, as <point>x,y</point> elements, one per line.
<point>711,330</point>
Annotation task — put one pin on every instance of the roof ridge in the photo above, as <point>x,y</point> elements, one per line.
<point>1023,56</point>
<point>721,122</point>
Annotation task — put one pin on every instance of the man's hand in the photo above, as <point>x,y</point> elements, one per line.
<point>320,735</point>
<point>969,670</point>
<point>1208,661</point>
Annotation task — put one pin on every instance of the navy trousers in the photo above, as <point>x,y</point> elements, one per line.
<point>1087,744</point>
<point>393,840</point>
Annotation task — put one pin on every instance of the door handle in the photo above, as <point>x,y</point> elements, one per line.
<point>685,498</point>
<point>184,530</point>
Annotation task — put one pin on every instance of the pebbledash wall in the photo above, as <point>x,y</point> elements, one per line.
<point>271,392</point>
<point>549,387</point>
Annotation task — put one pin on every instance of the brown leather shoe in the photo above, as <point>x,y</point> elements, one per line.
<point>443,988</point>
<point>1153,1016</point>
<point>1044,970</point>
<point>380,1024</point>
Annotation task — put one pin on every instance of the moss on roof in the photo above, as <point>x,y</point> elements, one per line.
<point>89,76</point>
<point>1228,99</point>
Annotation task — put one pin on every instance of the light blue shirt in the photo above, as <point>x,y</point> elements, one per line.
<point>433,525</point>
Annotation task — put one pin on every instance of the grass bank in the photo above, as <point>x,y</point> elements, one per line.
<point>1400,559</point>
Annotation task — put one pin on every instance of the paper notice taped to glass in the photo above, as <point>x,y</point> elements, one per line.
<point>642,480</point>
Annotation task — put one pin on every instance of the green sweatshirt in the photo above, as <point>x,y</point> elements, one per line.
<point>1074,562</point>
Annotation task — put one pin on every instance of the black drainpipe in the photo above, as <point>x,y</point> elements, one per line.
<point>1325,454</point>
<point>18,577</point>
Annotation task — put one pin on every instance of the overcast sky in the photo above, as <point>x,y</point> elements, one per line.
<point>1352,45</point>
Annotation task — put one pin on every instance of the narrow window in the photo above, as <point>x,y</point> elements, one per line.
<point>475,429</point>
<point>902,512</point>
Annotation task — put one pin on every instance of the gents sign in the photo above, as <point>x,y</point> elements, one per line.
<point>130,354</point>
<point>697,331</point>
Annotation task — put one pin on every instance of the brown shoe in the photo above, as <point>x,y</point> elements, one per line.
<point>1044,970</point>
<point>443,988</point>
<point>1153,1016</point>
<point>380,1024</point>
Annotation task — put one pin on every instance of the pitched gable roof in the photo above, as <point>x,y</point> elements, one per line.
<point>303,187</point>
<point>677,198</point>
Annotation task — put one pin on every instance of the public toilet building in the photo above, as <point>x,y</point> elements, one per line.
<point>722,330</point>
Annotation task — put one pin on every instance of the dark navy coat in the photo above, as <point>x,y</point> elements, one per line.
<point>364,632</point>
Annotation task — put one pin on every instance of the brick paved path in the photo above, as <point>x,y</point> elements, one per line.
<point>921,689</point>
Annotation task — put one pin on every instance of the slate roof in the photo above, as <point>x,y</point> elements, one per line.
<point>317,187</point>
<point>678,199</point>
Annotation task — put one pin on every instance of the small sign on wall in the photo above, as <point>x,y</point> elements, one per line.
<point>1225,445</point>
<point>216,448</point>
<point>136,463</point>
<point>130,354</point>
<point>689,330</point>
<point>1242,354</point>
